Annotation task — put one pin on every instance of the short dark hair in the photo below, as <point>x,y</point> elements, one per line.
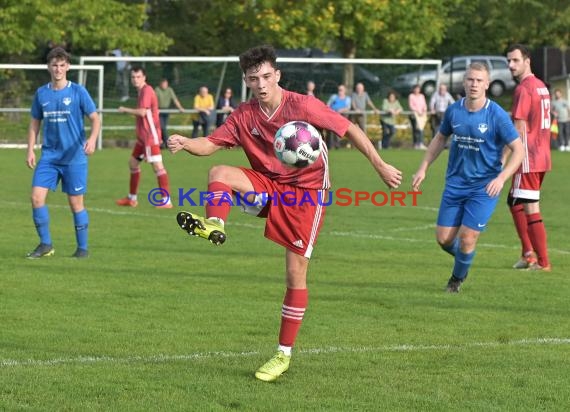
<point>137,69</point>
<point>58,53</point>
<point>256,56</point>
<point>525,51</point>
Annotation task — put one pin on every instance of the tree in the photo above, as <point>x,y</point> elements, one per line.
<point>364,28</point>
<point>479,28</point>
<point>87,25</point>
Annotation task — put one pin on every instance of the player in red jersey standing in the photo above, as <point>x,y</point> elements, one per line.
<point>148,140</point>
<point>531,116</point>
<point>296,227</point>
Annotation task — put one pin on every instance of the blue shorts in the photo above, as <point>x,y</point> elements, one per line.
<point>73,177</point>
<point>468,206</point>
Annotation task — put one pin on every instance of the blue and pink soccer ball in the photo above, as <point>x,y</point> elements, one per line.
<point>298,144</point>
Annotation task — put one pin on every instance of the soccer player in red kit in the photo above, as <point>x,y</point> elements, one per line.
<point>531,116</point>
<point>148,140</point>
<point>296,227</point>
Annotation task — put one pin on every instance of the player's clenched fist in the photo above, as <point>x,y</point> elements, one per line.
<point>176,143</point>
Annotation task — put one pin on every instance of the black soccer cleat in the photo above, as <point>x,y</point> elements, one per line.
<point>453,285</point>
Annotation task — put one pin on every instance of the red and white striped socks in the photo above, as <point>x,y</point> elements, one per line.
<point>292,312</point>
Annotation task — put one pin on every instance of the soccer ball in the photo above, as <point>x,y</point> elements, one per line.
<point>297,144</point>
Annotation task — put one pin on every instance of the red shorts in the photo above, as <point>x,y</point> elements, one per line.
<point>151,153</point>
<point>294,215</point>
<point>527,185</point>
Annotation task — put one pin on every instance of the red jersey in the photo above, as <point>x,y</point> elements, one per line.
<point>148,127</point>
<point>531,103</point>
<point>250,127</point>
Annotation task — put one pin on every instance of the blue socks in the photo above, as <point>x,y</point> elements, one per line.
<point>462,264</point>
<point>81,220</point>
<point>452,248</point>
<point>41,220</point>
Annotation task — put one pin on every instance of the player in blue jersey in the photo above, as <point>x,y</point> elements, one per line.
<point>479,130</point>
<point>61,105</point>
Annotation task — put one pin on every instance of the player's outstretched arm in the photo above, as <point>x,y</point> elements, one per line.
<point>435,147</point>
<point>388,173</point>
<point>199,146</point>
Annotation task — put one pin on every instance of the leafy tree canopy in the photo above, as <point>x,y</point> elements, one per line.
<point>85,25</point>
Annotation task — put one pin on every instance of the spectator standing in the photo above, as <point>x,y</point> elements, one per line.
<point>359,101</point>
<point>270,108</point>
<point>531,115</point>
<point>204,104</point>
<point>166,97</point>
<point>122,79</point>
<point>311,89</point>
<point>64,151</point>
<point>561,112</point>
<point>393,108</point>
<point>438,104</point>
<point>224,106</point>
<point>418,118</point>
<point>340,103</point>
<point>475,176</point>
<point>147,146</point>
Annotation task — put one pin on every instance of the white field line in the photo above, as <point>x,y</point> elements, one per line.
<point>415,240</point>
<point>361,235</point>
<point>162,358</point>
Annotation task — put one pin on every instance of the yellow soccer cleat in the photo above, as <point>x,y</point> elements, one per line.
<point>274,368</point>
<point>209,229</point>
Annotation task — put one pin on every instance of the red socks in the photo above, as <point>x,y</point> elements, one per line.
<point>532,233</point>
<point>292,312</point>
<point>221,201</point>
<point>162,178</point>
<point>134,182</point>
<point>521,225</point>
<point>537,235</point>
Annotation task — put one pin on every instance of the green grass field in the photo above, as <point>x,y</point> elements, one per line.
<point>158,320</point>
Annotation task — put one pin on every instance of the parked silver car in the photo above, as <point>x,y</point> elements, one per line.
<point>452,72</point>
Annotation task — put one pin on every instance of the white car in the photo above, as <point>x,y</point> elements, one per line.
<point>452,72</point>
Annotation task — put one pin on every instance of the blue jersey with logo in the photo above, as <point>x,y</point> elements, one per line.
<point>477,142</point>
<point>62,112</point>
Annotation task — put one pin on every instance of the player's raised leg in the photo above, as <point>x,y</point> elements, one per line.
<point>222,182</point>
